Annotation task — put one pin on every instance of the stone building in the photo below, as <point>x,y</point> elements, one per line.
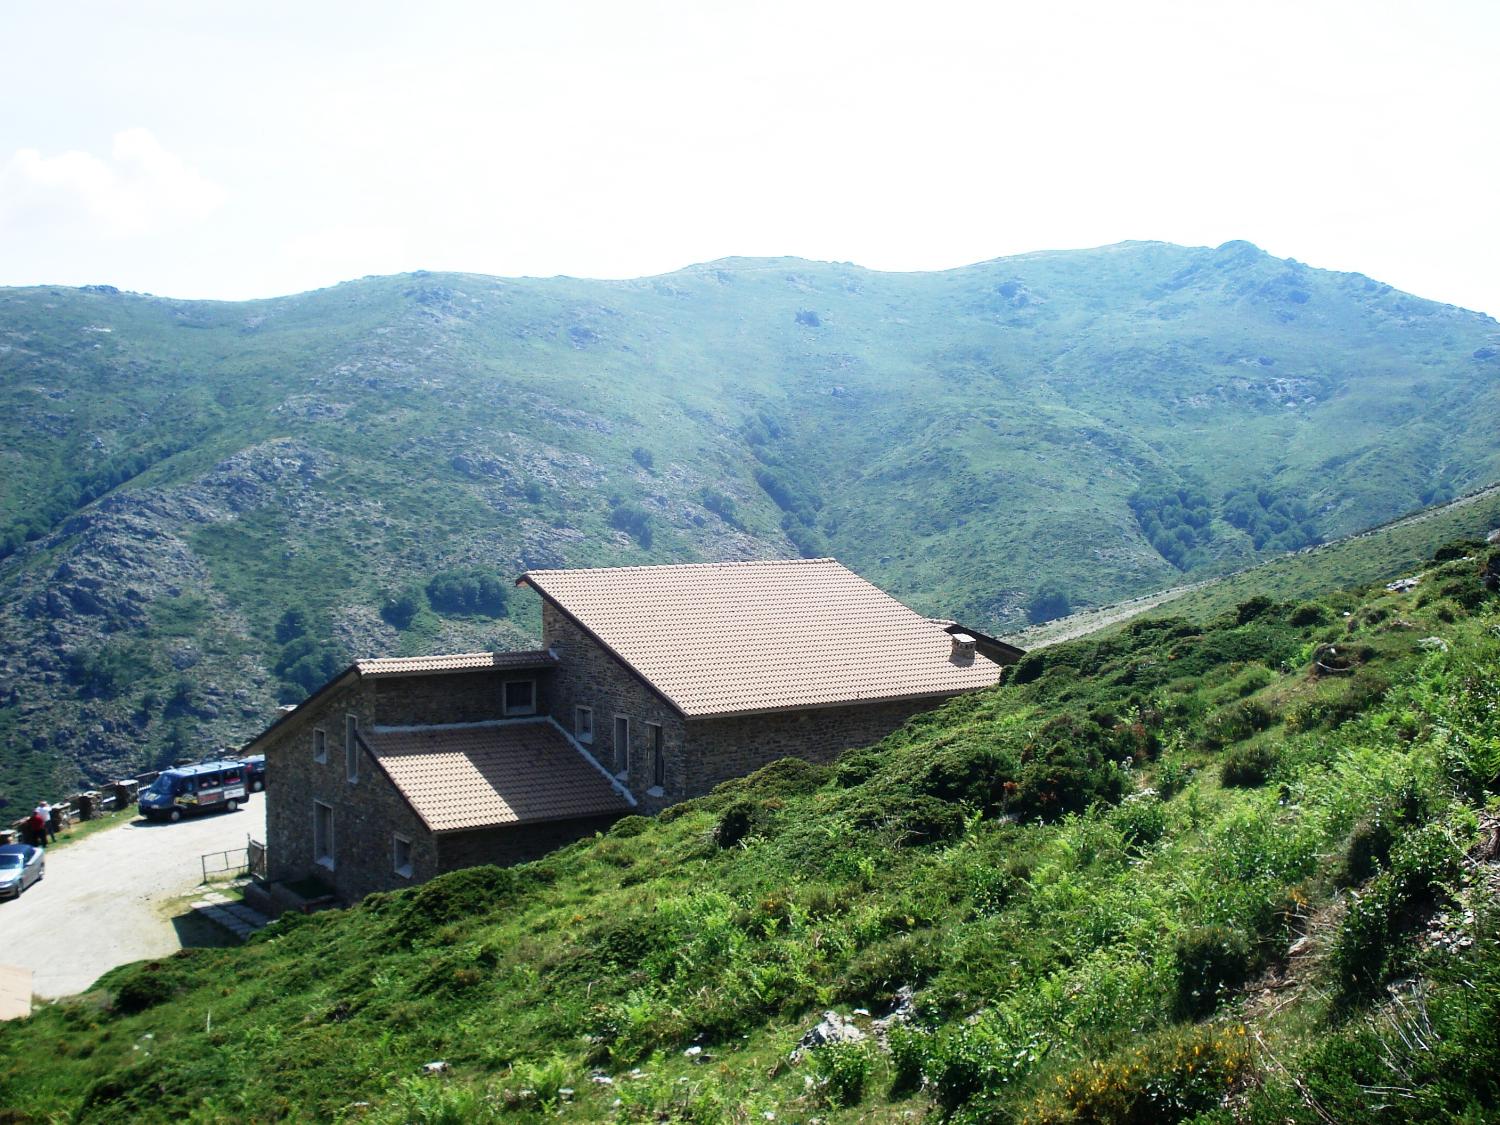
<point>654,684</point>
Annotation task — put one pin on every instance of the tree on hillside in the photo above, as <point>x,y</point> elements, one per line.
<point>480,592</point>
<point>1049,602</point>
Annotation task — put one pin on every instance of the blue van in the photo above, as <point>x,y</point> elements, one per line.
<point>193,789</point>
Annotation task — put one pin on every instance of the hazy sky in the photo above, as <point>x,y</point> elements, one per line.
<point>233,150</point>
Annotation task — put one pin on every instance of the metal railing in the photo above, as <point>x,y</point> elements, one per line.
<point>235,861</point>
<point>255,857</point>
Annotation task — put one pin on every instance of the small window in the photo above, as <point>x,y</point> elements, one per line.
<point>622,745</point>
<point>320,745</point>
<point>520,697</point>
<point>323,834</point>
<point>351,748</point>
<point>583,724</point>
<point>401,856</point>
<point>658,757</point>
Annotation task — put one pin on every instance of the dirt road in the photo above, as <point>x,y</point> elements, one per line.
<point>106,899</point>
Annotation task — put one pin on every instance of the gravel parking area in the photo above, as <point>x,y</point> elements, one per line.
<point>106,900</point>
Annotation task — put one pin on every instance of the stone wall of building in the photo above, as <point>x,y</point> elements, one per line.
<point>515,843</point>
<point>725,748</point>
<point>367,812</point>
<point>466,697</point>
<point>589,676</point>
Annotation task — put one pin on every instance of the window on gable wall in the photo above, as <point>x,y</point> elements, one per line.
<point>401,856</point>
<point>622,745</point>
<point>658,755</point>
<point>320,745</point>
<point>323,834</point>
<point>583,724</point>
<point>351,748</point>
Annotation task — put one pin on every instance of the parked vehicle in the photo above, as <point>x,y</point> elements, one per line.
<point>193,789</point>
<point>257,764</point>
<point>20,866</point>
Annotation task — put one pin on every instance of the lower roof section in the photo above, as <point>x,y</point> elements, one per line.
<point>484,775</point>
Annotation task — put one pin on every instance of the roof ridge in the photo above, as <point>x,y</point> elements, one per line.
<point>683,566</point>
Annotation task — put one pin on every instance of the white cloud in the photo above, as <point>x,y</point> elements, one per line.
<point>139,189</point>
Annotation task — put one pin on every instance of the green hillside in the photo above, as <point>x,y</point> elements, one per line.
<point>1395,548</point>
<point>207,505</point>
<point>1240,871</point>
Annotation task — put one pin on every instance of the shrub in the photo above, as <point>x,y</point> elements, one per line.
<point>1368,948</point>
<point>1170,1077</point>
<point>634,520</point>
<point>719,504</point>
<point>1063,769</point>
<point>472,892</point>
<point>785,777</point>
<point>840,1071</point>
<point>1308,613</point>
<point>1368,850</point>
<point>478,592</point>
<point>1141,820</point>
<point>977,1057</point>
<point>400,608</point>
<point>908,1046</point>
<point>643,457</point>
<point>1237,721</point>
<point>1211,960</point>
<point>738,822</point>
<point>1247,767</point>
<point>911,820</point>
<point>1048,603</point>
<point>878,972</point>
<point>292,624</point>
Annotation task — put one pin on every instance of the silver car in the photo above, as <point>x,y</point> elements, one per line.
<point>20,866</point>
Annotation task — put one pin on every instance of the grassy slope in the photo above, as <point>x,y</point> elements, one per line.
<point>1109,963</point>
<point>1394,549</point>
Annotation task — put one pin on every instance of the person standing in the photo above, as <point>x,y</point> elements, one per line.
<point>48,831</point>
<point>36,828</point>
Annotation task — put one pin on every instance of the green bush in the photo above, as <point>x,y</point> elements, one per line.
<point>1141,820</point>
<point>634,520</point>
<point>1211,960</point>
<point>1367,850</point>
<point>910,820</point>
<point>720,505</point>
<point>738,822</point>
<point>1247,767</point>
<point>1370,947</point>
<point>877,973</point>
<point>1170,1077</point>
<point>1064,769</point>
<point>909,1046</point>
<point>840,1071</point>
<point>478,592</point>
<point>1308,613</point>
<point>975,1057</point>
<point>400,608</point>
<point>1048,603</point>
<point>1237,721</point>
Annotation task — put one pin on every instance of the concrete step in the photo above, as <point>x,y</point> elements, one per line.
<point>234,916</point>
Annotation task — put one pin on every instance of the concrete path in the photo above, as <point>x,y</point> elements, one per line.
<point>110,898</point>
<point>15,992</point>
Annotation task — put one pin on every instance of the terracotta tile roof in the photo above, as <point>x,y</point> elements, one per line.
<point>456,662</point>
<point>735,638</point>
<point>477,775</point>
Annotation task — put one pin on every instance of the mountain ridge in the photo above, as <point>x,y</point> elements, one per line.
<point>1104,421</point>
